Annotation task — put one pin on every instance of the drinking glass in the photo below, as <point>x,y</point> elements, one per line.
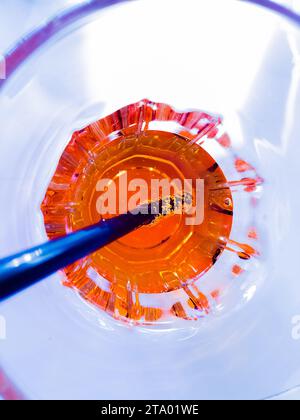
<point>229,58</point>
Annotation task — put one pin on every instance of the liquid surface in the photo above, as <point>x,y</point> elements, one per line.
<point>157,273</point>
<point>157,258</point>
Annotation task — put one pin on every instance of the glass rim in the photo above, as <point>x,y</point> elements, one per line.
<point>27,45</point>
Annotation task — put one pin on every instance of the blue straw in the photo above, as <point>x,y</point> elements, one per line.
<point>26,268</point>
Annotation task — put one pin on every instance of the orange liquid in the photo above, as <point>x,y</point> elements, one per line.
<point>158,258</point>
